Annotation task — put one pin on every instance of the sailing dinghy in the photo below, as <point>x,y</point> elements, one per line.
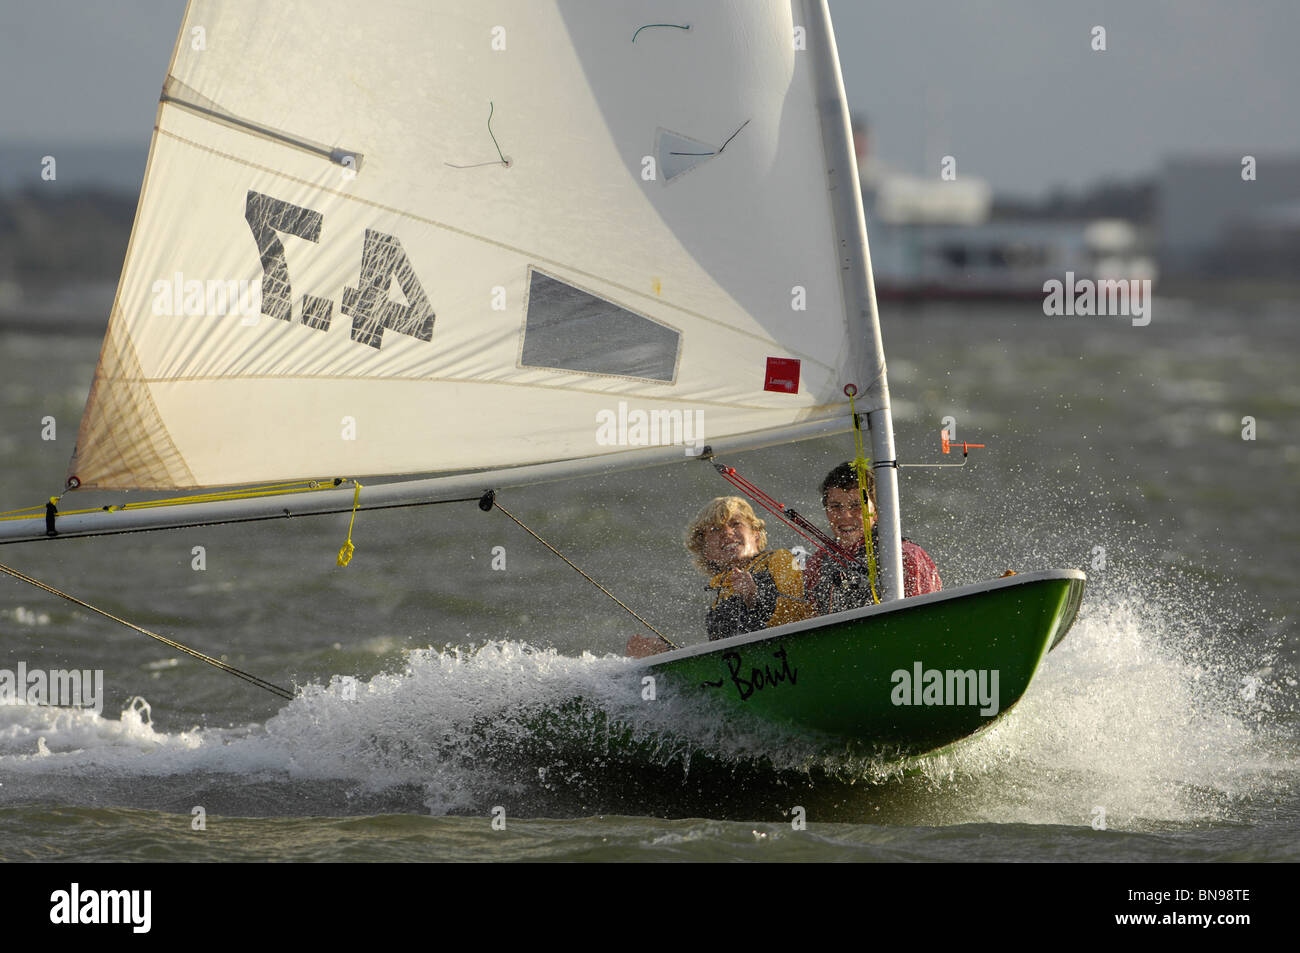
<point>458,247</point>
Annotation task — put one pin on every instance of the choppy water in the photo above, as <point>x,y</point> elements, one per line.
<point>1170,710</point>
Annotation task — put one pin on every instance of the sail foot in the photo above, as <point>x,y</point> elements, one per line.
<point>123,442</point>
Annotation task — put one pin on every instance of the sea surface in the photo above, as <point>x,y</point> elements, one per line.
<point>1164,727</point>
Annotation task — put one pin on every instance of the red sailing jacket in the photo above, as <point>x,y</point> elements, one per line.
<point>832,588</point>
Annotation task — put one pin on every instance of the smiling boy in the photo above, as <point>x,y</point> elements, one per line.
<point>833,588</point>
<point>754,587</point>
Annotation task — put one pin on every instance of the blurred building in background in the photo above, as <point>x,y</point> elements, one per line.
<point>1197,222</point>
<point>1216,224</point>
<point>932,238</point>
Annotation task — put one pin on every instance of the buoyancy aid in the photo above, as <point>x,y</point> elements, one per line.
<point>779,599</point>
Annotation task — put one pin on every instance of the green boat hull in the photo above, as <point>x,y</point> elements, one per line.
<point>898,679</point>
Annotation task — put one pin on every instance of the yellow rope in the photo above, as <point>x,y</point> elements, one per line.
<point>860,462</point>
<point>27,512</point>
<point>345,553</point>
<point>269,489</point>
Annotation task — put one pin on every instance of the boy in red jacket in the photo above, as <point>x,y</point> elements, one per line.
<point>828,585</point>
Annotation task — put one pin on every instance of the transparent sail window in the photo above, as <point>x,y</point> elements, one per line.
<point>570,329</point>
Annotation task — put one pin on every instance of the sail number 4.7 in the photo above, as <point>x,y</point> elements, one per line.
<point>368,304</point>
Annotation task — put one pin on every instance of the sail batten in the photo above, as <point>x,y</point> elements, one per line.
<point>177,93</point>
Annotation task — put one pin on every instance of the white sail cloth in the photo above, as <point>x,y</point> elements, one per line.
<point>661,239</point>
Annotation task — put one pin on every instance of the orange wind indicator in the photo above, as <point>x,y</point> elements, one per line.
<point>946,444</point>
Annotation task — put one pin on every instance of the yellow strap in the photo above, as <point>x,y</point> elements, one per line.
<point>345,553</point>
<point>270,489</point>
<point>860,465</point>
<point>27,512</point>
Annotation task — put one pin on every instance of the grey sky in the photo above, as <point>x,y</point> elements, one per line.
<point>1010,88</point>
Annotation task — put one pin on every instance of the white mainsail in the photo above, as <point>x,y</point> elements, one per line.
<point>661,240</point>
<point>531,237</point>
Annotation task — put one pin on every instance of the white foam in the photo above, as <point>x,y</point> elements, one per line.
<point>1123,716</point>
<point>1129,717</point>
